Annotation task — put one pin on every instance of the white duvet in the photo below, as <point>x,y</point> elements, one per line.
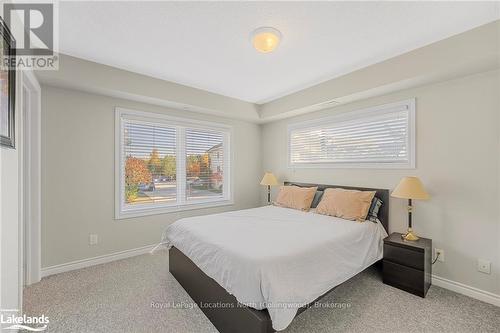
<point>277,258</point>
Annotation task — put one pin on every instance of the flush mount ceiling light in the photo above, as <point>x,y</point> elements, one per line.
<point>265,39</point>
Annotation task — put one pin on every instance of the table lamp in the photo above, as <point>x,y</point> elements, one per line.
<point>270,180</point>
<point>410,188</point>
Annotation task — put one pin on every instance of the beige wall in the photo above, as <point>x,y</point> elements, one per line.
<point>457,156</point>
<point>84,75</point>
<point>78,176</point>
<point>10,263</point>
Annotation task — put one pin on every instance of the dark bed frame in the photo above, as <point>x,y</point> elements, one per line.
<point>229,316</point>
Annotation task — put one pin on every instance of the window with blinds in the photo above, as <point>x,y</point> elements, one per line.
<point>381,137</point>
<point>167,164</point>
<point>204,164</point>
<point>149,153</point>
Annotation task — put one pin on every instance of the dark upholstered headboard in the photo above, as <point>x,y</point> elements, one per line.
<point>382,194</point>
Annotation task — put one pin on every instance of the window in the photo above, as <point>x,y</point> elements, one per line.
<point>380,137</point>
<point>166,164</point>
<point>204,163</point>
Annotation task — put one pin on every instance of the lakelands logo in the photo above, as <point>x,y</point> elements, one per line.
<point>33,27</point>
<point>9,320</point>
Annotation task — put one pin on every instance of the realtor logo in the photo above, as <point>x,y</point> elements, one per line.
<point>32,25</point>
<point>10,320</point>
<point>33,40</point>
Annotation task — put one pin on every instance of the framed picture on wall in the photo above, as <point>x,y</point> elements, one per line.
<point>7,87</point>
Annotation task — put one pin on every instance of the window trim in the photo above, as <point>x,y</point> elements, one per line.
<point>409,104</point>
<point>120,212</point>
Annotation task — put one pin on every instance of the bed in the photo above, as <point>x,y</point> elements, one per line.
<point>254,270</point>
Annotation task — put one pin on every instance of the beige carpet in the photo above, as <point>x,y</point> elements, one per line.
<point>118,297</point>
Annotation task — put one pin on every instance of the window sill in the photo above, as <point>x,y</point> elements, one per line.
<point>132,213</point>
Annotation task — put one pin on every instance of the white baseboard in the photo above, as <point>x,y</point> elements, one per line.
<point>458,287</point>
<point>466,290</point>
<point>69,266</point>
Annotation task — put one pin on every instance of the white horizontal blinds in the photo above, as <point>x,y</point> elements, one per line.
<point>379,138</point>
<point>149,155</point>
<point>167,164</point>
<point>205,164</point>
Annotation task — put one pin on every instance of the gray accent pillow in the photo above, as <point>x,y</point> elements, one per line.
<point>317,198</point>
<point>374,208</point>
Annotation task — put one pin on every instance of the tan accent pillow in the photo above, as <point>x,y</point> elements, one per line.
<point>346,204</point>
<point>295,197</point>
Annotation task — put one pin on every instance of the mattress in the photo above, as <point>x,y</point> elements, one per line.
<point>277,258</point>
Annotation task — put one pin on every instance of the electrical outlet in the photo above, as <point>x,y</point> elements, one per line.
<point>439,252</point>
<point>484,266</point>
<point>93,240</point>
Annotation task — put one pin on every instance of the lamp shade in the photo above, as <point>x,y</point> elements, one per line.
<point>410,188</point>
<point>269,179</point>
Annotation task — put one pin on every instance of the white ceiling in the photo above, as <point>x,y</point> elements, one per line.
<point>206,45</point>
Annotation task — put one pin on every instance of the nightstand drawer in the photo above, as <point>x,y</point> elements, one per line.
<point>403,256</point>
<point>406,278</point>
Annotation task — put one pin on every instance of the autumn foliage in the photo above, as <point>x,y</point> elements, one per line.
<point>136,172</point>
<point>198,166</point>
<point>154,163</point>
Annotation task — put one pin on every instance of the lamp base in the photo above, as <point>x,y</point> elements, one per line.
<point>410,236</point>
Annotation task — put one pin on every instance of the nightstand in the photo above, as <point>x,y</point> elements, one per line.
<point>407,264</point>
